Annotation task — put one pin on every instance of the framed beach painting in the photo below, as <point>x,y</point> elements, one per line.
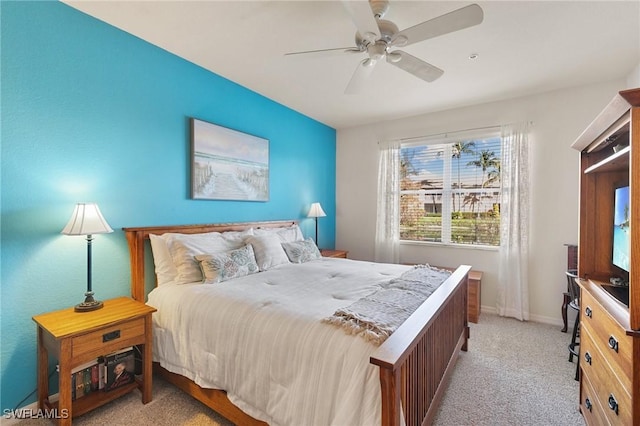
<point>227,164</point>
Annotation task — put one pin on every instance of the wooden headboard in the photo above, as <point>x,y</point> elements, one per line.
<point>136,238</point>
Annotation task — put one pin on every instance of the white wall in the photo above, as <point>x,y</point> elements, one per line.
<point>633,80</point>
<point>558,118</point>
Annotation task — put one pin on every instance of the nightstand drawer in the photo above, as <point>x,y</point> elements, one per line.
<point>108,339</point>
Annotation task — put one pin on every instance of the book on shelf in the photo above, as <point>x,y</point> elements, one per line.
<point>103,373</point>
<point>81,379</point>
<point>86,377</point>
<point>119,368</point>
<point>95,378</point>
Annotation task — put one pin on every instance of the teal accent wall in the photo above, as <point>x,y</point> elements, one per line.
<point>92,113</point>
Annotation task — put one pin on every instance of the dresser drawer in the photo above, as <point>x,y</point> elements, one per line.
<point>593,358</point>
<point>609,337</point>
<point>108,339</point>
<point>589,406</point>
<point>604,382</point>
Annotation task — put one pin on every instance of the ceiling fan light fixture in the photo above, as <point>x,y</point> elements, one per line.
<point>394,57</point>
<point>369,37</point>
<point>377,51</point>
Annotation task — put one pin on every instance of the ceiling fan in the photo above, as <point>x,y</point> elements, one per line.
<point>379,38</point>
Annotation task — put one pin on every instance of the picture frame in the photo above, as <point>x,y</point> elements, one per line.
<point>227,164</point>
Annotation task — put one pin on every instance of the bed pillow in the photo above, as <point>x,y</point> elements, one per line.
<point>268,251</point>
<point>302,251</point>
<point>183,248</point>
<point>225,266</point>
<point>165,269</point>
<point>287,234</point>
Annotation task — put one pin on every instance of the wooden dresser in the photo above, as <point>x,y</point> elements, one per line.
<point>609,330</point>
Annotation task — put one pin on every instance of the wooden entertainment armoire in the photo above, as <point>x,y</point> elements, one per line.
<point>609,330</point>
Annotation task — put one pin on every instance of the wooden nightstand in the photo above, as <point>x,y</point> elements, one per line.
<point>75,338</point>
<point>334,253</point>
<point>473,298</point>
<point>473,294</point>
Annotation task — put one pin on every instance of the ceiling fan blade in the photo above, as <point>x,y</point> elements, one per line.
<point>325,52</point>
<point>415,66</point>
<point>360,76</point>
<point>362,16</point>
<point>459,19</point>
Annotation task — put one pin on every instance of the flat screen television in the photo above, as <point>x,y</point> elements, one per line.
<point>621,234</point>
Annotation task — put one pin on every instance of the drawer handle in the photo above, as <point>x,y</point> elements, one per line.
<point>587,357</point>
<point>112,335</point>
<point>588,312</point>
<point>587,403</point>
<point>613,404</point>
<point>613,343</point>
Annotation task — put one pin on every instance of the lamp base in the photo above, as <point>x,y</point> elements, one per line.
<point>89,304</point>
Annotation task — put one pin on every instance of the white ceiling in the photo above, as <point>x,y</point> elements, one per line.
<point>524,47</point>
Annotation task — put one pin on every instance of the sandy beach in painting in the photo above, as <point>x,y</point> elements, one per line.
<point>217,177</point>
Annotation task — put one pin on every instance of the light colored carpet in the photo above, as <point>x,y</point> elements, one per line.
<point>515,373</point>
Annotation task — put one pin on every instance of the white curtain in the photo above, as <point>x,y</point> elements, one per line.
<point>387,240</point>
<point>513,293</point>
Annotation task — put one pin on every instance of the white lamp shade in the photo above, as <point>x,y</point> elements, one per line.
<point>86,219</point>
<point>316,211</point>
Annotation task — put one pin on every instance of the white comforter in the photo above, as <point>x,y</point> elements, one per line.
<point>261,339</point>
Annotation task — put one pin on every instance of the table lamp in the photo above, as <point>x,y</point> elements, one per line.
<point>315,212</point>
<point>86,219</point>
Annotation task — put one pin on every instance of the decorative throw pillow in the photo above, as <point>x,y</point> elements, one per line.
<point>183,248</point>
<point>225,266</point>
<point>301,251</point>
<point>268,251</point>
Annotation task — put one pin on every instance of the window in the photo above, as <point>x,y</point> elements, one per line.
<point>450,192</point>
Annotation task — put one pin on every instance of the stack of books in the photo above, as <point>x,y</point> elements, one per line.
<point>105,373</point>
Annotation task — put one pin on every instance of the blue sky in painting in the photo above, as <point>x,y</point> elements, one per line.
<point>217,140</point>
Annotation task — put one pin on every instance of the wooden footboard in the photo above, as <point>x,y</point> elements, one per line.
<point>418,357</point>
<point>215,399</point>
<point>414,362</point>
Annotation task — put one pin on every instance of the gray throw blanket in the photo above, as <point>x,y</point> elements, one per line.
<point>376,316</point>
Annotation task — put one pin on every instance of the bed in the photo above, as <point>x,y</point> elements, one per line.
<point>407,373</point>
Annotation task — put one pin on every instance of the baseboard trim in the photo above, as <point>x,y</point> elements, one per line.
<point>532,317</point>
